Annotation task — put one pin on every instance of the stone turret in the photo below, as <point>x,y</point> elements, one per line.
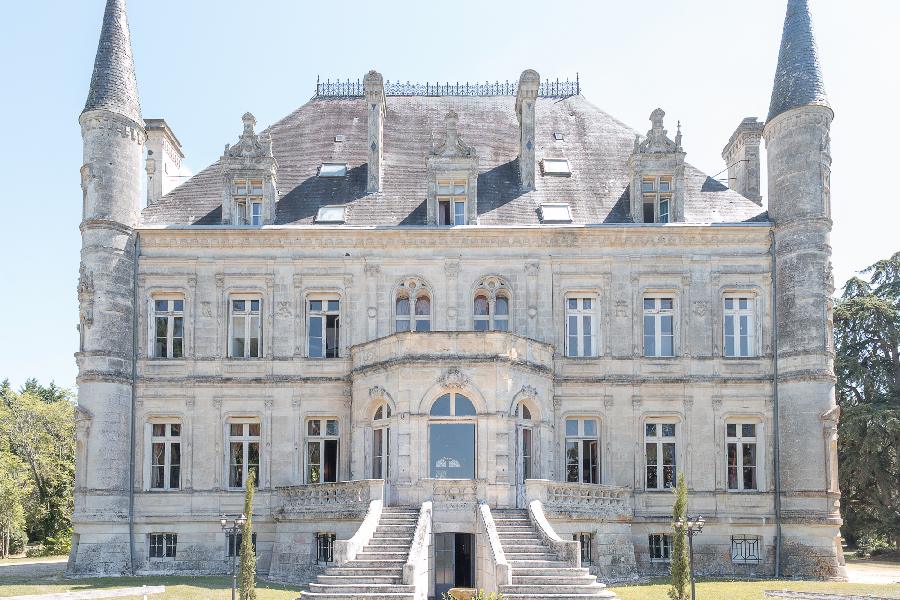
<point>113,134</point>
<point>742,159</point>
<point>526,98</point>
<point>799,167</point>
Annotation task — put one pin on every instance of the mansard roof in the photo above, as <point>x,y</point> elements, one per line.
<point>596,145</point>
<point>113,83</point>
<point>798,77</point>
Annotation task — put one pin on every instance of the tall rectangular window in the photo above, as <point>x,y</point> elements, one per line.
<point>168,328</point>
<point>581,327</point>
<point>247,196</point>
<point>740,448</point>
<point>324,328</point>
<point>243,453</point>
<point>163,545</point>
<point>660,450</point>
<point>165,456</point>
<point>587,545</point>
<point>582,451</point>
<point>660,547</point>
<point>451,201</point>
<point>234,542</point>
<point>322,447</point>
<point>246,328</point>
<point>659,326</point>
<point>739,326</point>
<point>657,192</point>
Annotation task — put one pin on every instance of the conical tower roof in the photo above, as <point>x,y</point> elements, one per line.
<point>798,79</point>
<point>113,84</point>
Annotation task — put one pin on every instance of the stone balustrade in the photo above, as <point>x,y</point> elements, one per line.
<point>415,570</point>
<point>347,499</point>
<point>581,500</point>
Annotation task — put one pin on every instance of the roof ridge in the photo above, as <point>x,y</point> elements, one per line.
<point>113,83</point>
<point>798,77</point>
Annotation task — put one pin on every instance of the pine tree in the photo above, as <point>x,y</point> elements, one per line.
<point>679,565</point>
<point>247,571</point>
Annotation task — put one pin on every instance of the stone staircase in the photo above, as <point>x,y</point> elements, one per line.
<point>377,571</point>
<point>537,572</point>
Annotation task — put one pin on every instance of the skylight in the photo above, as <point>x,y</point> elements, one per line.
<point>558,136</point>
<point>333,170</point>
<point>331,214</point>
<point>556,212</point>
<point>556,166</point>
<point>339,137</point>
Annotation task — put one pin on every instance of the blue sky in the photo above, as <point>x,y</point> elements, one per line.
<point>202,63</point>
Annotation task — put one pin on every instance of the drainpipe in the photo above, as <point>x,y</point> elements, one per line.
<point>134,355</point>
<point>775,417</point>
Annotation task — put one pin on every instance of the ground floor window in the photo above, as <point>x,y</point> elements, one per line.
<point>587,546</point>
<point>322,437</point>
<point>660,547</point>
<point>163,545</point>
<point>235,540</point>
<point>325,547</point>
<point>745,549</point>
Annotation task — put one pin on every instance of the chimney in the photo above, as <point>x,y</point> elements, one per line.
<point>742,159</point>
<point>373,84</point>
<point>165,168</point>
<point>529,82</point>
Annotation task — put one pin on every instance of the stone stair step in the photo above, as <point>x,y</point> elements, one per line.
<point>360,579</point>
<point>362,588</point>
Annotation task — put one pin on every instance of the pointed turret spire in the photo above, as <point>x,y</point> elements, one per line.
<point>798,79</point>
<point>113,84</point>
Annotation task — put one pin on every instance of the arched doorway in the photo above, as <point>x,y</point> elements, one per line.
<point>451,438</point>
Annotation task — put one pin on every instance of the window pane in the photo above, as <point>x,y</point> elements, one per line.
<point>459,213</point>
<point>332,335</point>
<point>744,303</point>
<point>236,475</point>
<point>748,430</point>
<point>254,338</point>
<point>402,306</point>
<point>423,324</point>
<point>590,467</point>
<point>254,305</point>
<point>314,427</point>
<point>590,428</point>
<point>253,429</point>
<point>236,429</point>
<point>331,427</point>
<point>423,306</point>
<point>441,406</point>
<point>649,303</point>
<point>315,305</point>
<point>668,429</point>
<point>652,458</point>
<point>587,303</point>
<point>463,406</point>
<point>314,452</point>
<point>572,461</point>
<point>731,430</point>
<point>402,325</point>
<point>237,339</point>
<point>316,347</point>
<point>666,304</point>
<point>452,450</point>
<point>649,336</point>
<point>481,325</point>
<point>729,303</point>
<point>650,429</point>
<point>571,426</point>
<point>749,455</point>
<point>334,305</point>
<point>159,429</point>
<point>573,303</point>
<point>749,478</point>
<point>586,336</point>
<point>481,305</point>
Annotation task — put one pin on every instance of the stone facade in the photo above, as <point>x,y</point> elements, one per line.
<point>605,357</point>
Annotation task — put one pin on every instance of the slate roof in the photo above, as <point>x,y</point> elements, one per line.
<point>113,83</point>
<point>798,78</point>
<point>596,145</point>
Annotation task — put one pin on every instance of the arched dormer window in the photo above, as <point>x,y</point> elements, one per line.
<point>451,438</point>
<point>491,305</point>
<point>412,307</point>
<point>381,442</point>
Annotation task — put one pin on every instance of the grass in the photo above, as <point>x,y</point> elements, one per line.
<point>177,588</point>
<point>753,589</point>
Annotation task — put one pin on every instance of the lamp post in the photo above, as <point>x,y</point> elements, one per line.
<point>692,525</point>
<point>232,528</point>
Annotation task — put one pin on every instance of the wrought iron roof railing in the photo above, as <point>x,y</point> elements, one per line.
<point>353,89</point>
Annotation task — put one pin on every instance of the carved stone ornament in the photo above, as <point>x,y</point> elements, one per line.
<point>86,296</point>
<point>621,309</point>
<point>528,392</point>
<point>657,139</point>
<point>376,392</point>
<point>701,307</point>
<point>250,145</point>
<point>453,144</point>
<point>453,379</point>
<point>206,309</point>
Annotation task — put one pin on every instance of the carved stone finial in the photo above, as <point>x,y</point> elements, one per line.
<point>250,145</point>
<point>453,145</point>
<point>678,137</point>
<point>453,378</point>
<point>249,123</point>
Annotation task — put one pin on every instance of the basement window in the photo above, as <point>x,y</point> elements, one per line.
<point>745,549</point>
<point>331,214</point>
<point>556,212</point>
<point>163,545</point>
<point>325,547</point>
<point>558,167</point>
<point>333,170</point>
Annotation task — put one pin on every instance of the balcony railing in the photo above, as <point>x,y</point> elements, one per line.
<point>580,500</point>
<point>346,498</point>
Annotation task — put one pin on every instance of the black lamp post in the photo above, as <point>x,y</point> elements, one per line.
<point>692,525</point>
<point>232,529</point>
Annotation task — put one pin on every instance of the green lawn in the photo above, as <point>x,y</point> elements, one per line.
<point>177,588</point>
<point>754,590</point>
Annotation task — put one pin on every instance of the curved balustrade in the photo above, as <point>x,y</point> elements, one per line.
<point>302,501</point>
<point>581,499</point>
<point>415,571</point>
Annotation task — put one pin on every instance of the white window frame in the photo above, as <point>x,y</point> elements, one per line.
<point>323,313</point>
<point>739,440</point>
<point>248,201</point>
<point>167,439</point>
<point>556,212</point>
<point>555,167</point>
<point>494,321</point>
<point>737,313</point>
<point>167,541</point>
<point>453,418</point>
<point>456,199</point>
<point>319,439</point>
<point>659,440</point>
<point>578,334</point>
<point>245,439</point>
<point>331,214</point>
<point>526,451</point>
<point>333,169</point>
<point>664,546</point>
<point>579,437</point>
<point>171,314</point>
<point>412,319</point>
<point>248,315</point>
<point>381,457</point>
<point>658,313</point>
<point>662,199</point>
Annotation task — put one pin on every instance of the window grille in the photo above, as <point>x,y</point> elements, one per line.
<point>163,545</point>
<point>325,547</point>
<point>660,547</point>
<point>745,549</point>
<point>234,543</point>
<point>587,543</point>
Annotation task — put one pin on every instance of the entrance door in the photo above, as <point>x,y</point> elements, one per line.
<point>524,460</point>
<point>454,562</point>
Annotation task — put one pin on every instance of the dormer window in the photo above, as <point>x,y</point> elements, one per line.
<point>331,214</point>
<point>333,170</point>
<point>558,167</point>
<point>248,201</point>
<point>451,199</point>
<point>558,136</point>
<point>556,212</point>
<point>657,193</point>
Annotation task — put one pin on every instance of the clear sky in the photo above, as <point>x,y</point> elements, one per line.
<point>202,63</point>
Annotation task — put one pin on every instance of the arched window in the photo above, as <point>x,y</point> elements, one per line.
<point>451,434</point>
<point>525,429</point>
<point>412,307</point>
<point>381,442</point>
<point>491,305</point>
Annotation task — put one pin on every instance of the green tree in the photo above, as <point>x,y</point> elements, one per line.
<point>679,567</point>
<point>13,488</point>
<point>247,570</point>
<point>37,426</point>
<point>867,364</point>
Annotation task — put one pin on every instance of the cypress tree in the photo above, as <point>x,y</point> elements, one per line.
<point>247,571</point>
<point>679,565</point>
